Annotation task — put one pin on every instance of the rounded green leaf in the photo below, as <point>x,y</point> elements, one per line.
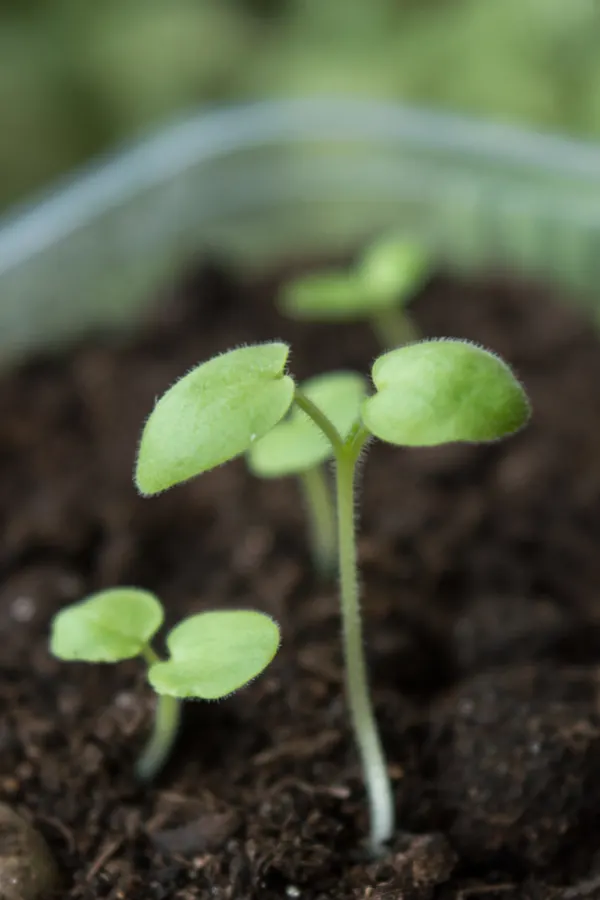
<point>326,296</point>
<point>392,270</point>
<point>443,391</point>
<point>215,653</point>
<point>296,444</point>
<point>106,627</point>
<point>213,414</point>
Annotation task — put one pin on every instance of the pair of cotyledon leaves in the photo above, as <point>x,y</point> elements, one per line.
<point>212,654</point>
<point>385,277</point>
<point>427,393</point>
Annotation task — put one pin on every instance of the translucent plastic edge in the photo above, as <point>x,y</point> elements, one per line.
<point>82,197</point>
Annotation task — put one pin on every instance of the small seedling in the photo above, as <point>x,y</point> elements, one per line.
<point>426,394</point>
<point>211,654</point>
<point>377,289</point>
<point>295,446</point>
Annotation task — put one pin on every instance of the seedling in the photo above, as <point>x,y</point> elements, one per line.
<point>295,446</point>
<point>377,289</point>
<point>425,394</point>
<point>212,654</point>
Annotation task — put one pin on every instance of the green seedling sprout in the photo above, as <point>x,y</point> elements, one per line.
<point>425,394</point>
<point>378,288</point>
<point>295,446</point>
<point>211,654</point>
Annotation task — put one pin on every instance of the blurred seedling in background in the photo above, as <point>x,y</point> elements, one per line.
<point>211,654</point>
<point>425,394</point>
<point>295,446</point>
<point>377,289</point>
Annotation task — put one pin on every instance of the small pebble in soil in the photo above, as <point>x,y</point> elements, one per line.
<point>27,869</point>
<point>23,609</point>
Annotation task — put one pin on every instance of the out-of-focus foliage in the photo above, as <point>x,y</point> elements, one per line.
<point>76,76</point>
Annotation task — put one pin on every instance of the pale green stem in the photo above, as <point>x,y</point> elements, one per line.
<point>320,419</point>
<point>394,328</point>
<point>321,519</point>
<point>167,717</point>
<point>377,780</point>
<point>379,789</point>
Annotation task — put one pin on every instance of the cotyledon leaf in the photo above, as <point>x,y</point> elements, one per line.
<point>213,414</point>
<point>213,654</point>
<point>443,391</point>
<point>108,626</point>
<point>333,295</point>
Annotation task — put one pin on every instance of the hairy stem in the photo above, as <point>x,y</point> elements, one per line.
<point>320,419</point>
<point>377,780</point>
<point>321,520</point>
<point>167,717</point>
<point>379,790</point>
<point>394,328</point>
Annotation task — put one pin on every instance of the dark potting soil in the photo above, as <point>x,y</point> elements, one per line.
<point>481,577</point>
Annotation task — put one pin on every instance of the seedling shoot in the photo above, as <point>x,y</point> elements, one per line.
<point>295,446</point>
<point>211,654</point>
<point>424,394</point>
<point>378,289</point>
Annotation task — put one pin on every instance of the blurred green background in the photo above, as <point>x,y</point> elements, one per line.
<point>79,76</point>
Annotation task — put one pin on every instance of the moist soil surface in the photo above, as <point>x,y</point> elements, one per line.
<point>481,579</point>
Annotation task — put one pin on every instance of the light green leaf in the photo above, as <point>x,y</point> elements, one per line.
<point>215,653</point>
<point>392,270</point>
<point>442,391</point>
<point>296,443</point>
<point>106,627</point>
<point>213,414</point>
<point>326,296</point>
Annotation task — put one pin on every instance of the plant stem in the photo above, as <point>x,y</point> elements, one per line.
<point>379,789</point>
<point>167,717</point>
<point>377,780</point>
<point>321,520</point>
<point>393,328</point>
<point>320,419</point>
